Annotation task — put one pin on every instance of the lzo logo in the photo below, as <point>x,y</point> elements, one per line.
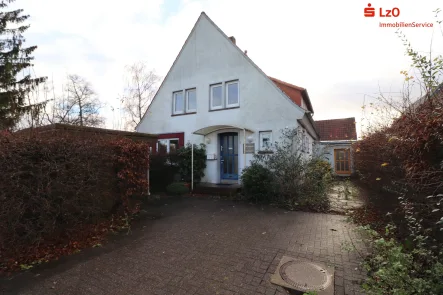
<point>370,12</point>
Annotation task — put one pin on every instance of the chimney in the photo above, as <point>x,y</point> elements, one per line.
<point>232,39</point>
<point>246,52</point>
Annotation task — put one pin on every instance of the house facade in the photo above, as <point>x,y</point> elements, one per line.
<point>336,138</point>
<point>215,94</point>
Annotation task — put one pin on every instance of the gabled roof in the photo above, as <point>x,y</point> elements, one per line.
<point>336,129</point>
<point>295,93</point>
<point>277,87</point>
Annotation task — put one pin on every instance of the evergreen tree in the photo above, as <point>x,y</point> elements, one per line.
<point>14,60</point>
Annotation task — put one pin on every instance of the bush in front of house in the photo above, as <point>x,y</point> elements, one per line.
<point>257,182</point>
<point>56,190</point>
<point>184,156</point>
<point>299,180</point>
<point>412,266</point>
<point>178,188</point>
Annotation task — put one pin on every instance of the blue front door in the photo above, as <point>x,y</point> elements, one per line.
<point>228,155</point>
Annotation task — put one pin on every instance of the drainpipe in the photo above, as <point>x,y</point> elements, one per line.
<point>244,147</point>
<point>192,167</point>
<point>149,160</point>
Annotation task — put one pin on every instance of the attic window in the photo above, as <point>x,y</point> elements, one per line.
<point>216,96</point>
<point>184,102</point>
<point>224,95</point>
<point>178,103</point>
<point>232,94</point>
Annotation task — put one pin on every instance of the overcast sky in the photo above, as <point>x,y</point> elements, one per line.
<point>328,47</point>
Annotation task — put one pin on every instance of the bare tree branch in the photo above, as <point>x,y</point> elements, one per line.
<point>142,86</point>
<point>78,105</point>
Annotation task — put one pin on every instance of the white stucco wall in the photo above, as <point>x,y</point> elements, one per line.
<point>207,58</point>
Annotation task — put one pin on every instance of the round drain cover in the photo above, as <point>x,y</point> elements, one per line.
<point>305,276</point>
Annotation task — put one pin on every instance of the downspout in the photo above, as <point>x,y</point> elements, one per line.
<point>149,165</point>
<point>244,147</point>
<point>192,167</point>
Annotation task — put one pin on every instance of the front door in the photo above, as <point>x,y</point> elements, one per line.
<point>342,158</point>
<point>229,155</point>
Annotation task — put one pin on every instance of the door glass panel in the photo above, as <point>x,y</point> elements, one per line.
<point>225,146</point>
<point>235,144</point>
<point>229,166</point>
<point>231,144</point>
<point>235,168</point>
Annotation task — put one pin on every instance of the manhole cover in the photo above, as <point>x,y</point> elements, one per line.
<point>303,275</point>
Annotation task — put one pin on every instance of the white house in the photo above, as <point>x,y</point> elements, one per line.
<point>215,94</point>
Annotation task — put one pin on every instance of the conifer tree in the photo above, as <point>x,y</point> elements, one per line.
<point>15,62</point>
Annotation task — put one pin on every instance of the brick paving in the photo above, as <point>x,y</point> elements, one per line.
<point>203,246</point>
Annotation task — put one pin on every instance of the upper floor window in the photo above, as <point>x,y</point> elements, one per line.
<point>179,103</point>
<point>232,94</point>
<point>191,100</point>
<point>184,102</point>
<point>224,95</point>
<point>216,96</point>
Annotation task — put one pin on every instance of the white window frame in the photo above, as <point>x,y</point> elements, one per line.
<point>211,96</point>
<point>261,134</point>
<point>227,93</point>
<point>173,103</point>
<point>168,145</point>
<point>188,110</point>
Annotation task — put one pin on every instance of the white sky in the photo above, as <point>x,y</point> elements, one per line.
<point>328,47</point>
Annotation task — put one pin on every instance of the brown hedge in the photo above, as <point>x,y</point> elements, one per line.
<point>53,186</point>
<point>406,160</point>
<point>409,152</point>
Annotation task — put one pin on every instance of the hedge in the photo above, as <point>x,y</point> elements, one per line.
<point>56,188</point>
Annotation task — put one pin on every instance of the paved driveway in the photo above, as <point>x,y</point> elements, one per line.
<point>202,246</point>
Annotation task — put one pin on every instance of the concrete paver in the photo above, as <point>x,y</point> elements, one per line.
<point>203,246</point>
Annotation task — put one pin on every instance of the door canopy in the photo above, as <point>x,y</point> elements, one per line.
<point>214,128</point>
